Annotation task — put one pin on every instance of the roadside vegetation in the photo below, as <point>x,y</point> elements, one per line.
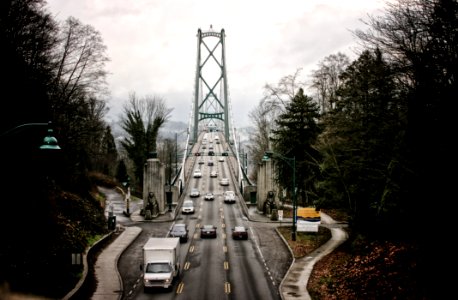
<point>360,268</point>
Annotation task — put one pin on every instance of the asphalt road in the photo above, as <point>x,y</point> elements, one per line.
<point>273,258</point>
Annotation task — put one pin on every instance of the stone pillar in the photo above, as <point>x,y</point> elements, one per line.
<point>154,182</point>
<point>265,183</point>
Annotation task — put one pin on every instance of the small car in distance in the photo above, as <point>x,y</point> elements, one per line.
<point>213,174</point>
<point>221,159</point>
<point>210,163</point>
<point>188,207</point>
<point>239,233</point>
<point>224,181</point>
<point>181,231</point>
<point>229,197</point>
<point>209,196</point>
<point>208,231</point>
<point>197,173</point>
<point>194,192</point>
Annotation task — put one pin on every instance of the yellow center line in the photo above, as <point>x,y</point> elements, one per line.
<point>191,249</point>
<point>180,288</point>
<point>227,287</point>
<point>226,265</point>
<point>225,249</point>
<point>186,265</point>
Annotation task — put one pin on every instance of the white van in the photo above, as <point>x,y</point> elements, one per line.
<point>229,197</point>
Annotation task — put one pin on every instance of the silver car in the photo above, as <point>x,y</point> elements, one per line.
<point>194,192</point>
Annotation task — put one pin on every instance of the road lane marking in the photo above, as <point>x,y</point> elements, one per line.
<point>180,288</point>
<point>227,287</point>
<point>187,265</point>
<point>226,265</point>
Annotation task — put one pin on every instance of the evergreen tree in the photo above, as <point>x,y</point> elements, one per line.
<point>295,134</point>
<point>360,145</point>
<point>121,171</point>
<point>108,153</point>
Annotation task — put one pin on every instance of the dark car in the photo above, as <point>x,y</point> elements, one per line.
<point>181,231</point>
<point>208,231</point>
<point>239,233</point>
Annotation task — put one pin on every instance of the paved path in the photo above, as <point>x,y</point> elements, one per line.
<point>106,266</point>
<point>294,286</point>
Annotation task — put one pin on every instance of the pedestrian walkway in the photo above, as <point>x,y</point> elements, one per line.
<point>109,281</point>
<point>293,286</point>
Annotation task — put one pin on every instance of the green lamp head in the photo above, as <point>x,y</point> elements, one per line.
<point>50,142</point>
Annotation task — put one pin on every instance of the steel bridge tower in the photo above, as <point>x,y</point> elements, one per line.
<point>210,107</point>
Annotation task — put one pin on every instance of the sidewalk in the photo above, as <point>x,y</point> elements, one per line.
<point>293,286</point>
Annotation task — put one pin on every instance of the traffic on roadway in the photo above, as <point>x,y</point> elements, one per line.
<point>218,257</point>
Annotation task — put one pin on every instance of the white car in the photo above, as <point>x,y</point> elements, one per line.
<point>188,207</point>
<point>194,192</point>
<point>224,181</point>
<point>213,174</point>
<point>221,159</point>
<point>209,196</point>
<point>197,173</point>
<point>229,197</point>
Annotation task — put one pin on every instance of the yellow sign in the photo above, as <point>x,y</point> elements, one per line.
<point>308,214</point>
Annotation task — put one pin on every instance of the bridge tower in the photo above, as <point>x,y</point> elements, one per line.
<point>210,107</point>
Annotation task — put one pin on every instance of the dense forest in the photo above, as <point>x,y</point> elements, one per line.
<point>374,136</point>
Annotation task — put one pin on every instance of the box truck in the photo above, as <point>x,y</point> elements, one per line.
<point>161,262</point>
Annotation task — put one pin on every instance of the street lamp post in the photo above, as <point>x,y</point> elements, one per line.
<point>291,161</point>
<point>127,185</point>
<point>169,193</point>
<point>49,142</point>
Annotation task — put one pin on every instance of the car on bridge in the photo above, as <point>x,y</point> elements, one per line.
<point>208,231</point>
<point>188,207</point>
<point>179,230</point>
<point>221,159</point>
<point>197,173</point>
<point>194,193</point>
<point>239,233</point>
<point>229,197</point>
<point>224,181</point>
<point>213,174</point>
<point>209,196</point>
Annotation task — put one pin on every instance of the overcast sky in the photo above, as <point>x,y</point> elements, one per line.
<point>152,44</point>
